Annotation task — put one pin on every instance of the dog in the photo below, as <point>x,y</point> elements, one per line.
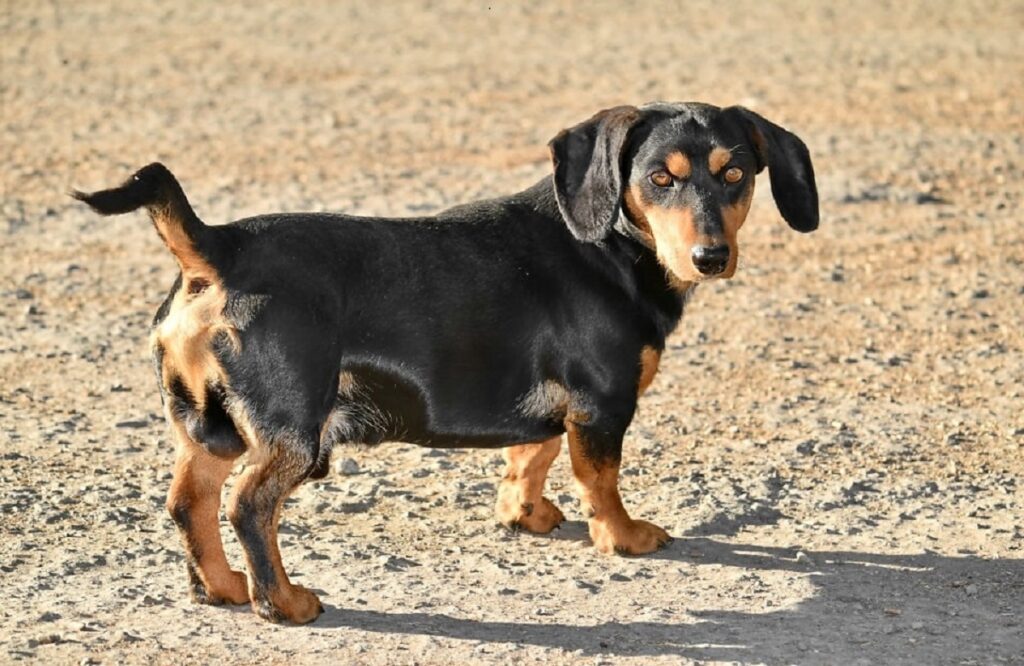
<point>504,323</point>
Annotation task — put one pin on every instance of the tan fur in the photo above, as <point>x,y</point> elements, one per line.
<point>195,495</point>
<point>611,528</point>
<point>672,234</point>
<point>635,211</point>
<point>678,164</point>
<point>649,358</point>
<point>520,499</point>
<point>185,336</point>
<point>733,218</point>
<point>547,399</point>
<point>168,223</point>
<point>718,158</point>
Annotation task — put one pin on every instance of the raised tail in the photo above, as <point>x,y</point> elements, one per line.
<point>155,188</point>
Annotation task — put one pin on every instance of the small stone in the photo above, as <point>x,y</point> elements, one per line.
<point>348,467</point>
<point>132,424</point>
<point>806,447</point>
<point>126,637</point>
<point>49,616</point>
<point>619,578</point>
<point>954,438</point>
<point>803,558</point>
<point>971,589</point>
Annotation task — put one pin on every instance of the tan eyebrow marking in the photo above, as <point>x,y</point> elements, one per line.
<point>718,158</point>
<point>678,164</point>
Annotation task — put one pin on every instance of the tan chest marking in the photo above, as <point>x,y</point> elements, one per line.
<point>649,359</point>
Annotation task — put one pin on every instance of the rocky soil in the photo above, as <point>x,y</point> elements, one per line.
<point>836,437</point>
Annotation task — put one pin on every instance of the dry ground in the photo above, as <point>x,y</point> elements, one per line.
<point>836,438</point>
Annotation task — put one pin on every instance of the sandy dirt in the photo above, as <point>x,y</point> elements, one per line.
<point>836,437</point>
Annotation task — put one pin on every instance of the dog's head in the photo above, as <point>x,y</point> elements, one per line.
<point>679,178</point>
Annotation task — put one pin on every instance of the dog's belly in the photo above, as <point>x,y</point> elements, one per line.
<point>377,404</point>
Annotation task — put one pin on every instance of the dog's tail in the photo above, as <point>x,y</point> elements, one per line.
<point>155,188</point>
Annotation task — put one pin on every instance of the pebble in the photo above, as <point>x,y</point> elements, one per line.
<point>125,637</point>
<point>347,466</point>
<point>806,447</point>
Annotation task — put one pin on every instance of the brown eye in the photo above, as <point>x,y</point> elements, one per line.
<point>733,175</point>
<point>661,178</point>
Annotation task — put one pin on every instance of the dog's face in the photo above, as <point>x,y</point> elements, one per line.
<point>679,178</point>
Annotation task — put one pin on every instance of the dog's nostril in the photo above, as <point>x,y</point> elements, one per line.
<point>710,259</point>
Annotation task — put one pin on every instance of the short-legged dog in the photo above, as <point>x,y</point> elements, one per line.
<point>502,323</point>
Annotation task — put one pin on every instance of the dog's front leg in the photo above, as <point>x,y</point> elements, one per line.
<point>595,453</point>
<point>521,503</point>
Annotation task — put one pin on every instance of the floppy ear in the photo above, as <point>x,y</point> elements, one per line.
<point>588,171</point>
<point>789,167</point>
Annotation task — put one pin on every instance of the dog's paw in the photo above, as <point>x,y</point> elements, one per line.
<point>540,517</point>
<point>627,537</point>
<point>232,589</point>
<point>292,603</point>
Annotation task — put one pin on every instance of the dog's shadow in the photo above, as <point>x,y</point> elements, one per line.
<point>892,609</point>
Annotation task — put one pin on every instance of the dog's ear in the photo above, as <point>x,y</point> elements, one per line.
<point>587,161</point>
<point>789,167</point>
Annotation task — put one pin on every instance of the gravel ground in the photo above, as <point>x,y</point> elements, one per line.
<point>835,437</point>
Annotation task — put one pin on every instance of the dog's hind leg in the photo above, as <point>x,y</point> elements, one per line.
<point>194,505</point>
<point>255,510</point>
<point>521,503</point>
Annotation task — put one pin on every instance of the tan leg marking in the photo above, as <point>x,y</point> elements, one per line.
<point>611,528</point>
<point>521,503</point>
<point>194,503</point>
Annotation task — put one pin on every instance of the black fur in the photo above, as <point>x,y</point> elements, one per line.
<point>789,168</point>
<point>152,187</point>
<point>445,325</point>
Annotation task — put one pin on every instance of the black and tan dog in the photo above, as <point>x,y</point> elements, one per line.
<point>503,323</point>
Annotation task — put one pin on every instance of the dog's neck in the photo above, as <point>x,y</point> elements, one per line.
<point>630,254</point>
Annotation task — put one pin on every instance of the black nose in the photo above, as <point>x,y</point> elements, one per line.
<point>710,259</point>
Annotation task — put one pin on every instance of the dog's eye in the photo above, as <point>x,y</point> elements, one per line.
<point>661,178</point>
<point>733,175</point>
